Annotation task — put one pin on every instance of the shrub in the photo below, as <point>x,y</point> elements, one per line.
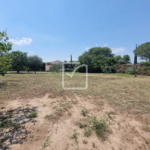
<point>146,68</point>
<point>107,69</point>
<point>145,63</point>
<point>131,70</point>
<point>121,71</point>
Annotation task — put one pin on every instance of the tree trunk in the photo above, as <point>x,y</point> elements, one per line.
<point>28,71</point>
<point>149,57</point>
<point>17,71</point>
<point>35,71</point>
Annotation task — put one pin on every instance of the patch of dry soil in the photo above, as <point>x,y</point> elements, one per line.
<point>60,126</point>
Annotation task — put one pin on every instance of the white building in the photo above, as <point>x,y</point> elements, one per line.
<point>48,65</point>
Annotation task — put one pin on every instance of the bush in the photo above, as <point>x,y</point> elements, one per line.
<point>121,71</point>
<point>146,68</point>
<point>131,70</point>
<point>107,69</point>
<point>145,63</point>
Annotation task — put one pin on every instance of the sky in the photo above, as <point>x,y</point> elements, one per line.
<point>55,29</point>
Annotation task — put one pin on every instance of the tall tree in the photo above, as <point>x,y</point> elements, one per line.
<point>5,57</point>
<point>143,51</point>
<point>19,60</point>
<point>35,62</point>
<point>135,56</point>
<point>71,61</point>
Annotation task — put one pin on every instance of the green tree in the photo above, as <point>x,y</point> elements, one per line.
<point>35,62</point>
<point>126,58</point>
<point>143,51</point>
<point>5,57</point>
<point>19,60</point>
<point>118,57</point>
<point>135,56</point>
<point>93,58</point>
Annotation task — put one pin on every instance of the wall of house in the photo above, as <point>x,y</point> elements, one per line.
<point>47,68</point>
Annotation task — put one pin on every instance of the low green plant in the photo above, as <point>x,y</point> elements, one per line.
<point>46,143</point>
<point>75,136</point>
<point>52,96</point>
<point>100,127</point>
<point>109,115</point>
<point>121,71</point>
<point>84,111</point>
<point>87,132</point>
<point>33,114</point>
<point>81,125</point>
<point>2,107</point>
<point>48,117</point>
<point>5,117</point>
<point>59,112</point>
<point>9,123</point>
<point>93,145</point>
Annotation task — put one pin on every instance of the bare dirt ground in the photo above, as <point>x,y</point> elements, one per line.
<point>57,125</point>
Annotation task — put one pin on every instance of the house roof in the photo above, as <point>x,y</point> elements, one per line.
<point>48,65</point>
<point>55,61</point>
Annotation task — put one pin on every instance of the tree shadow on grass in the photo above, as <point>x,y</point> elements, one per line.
<point>12,126</point>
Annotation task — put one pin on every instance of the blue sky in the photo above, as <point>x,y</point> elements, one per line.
<point>54,29</point>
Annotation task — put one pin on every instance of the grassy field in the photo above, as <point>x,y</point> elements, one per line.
<point>37,113</point>
<point>125,91</point>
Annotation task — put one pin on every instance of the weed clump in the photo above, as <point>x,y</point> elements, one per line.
<point>100,127</point>
<point>87,132</point>
<point>46,143</point>
<point>33,114</point>
<point>48,117</point>
<point>9,123</point>
<point>51,96</point>
<point>83,112</point>
<point>81,125</point>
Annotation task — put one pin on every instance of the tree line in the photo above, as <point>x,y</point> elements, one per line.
<point>98,59</point>
<point>16,60</point>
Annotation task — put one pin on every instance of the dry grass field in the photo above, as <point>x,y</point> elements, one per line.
<point>36,113</point>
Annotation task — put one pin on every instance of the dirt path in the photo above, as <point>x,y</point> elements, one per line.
<point>57,125</point>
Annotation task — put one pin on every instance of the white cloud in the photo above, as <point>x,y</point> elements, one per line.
<point>105,45</point>
<point>23,41</point>
<point>87,48</point>
<point>96,44</point>
<point>119,49</point>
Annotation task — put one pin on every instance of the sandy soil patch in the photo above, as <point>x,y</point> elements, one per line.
<point>57,125</point>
